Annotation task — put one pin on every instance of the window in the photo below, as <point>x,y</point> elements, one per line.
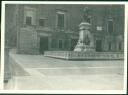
<point>60,20</point>
<point>29,15</point>
<point>109,46</point>
<point>65,43</point>
<point>60,44</point>
<point>41,22</point>
<point>110,26</point>
<point>29,20</point>
<point>53,43</point>
<point>119,46</point>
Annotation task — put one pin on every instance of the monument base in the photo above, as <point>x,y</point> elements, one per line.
<point>84,48</point>
<point>73,55</point>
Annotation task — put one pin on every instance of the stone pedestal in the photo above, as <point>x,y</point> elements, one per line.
<point>85,42</point>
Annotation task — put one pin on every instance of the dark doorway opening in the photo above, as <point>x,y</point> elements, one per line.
<point>120,44</point>
<point>60,44</point>
<point>110,45</point>
<point>43,44</point>
<point>73,43</point>
<point>98,45</point>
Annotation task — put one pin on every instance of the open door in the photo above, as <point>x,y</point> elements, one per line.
<point>43,44</point>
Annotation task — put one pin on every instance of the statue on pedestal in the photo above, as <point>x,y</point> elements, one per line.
<point>85,42</point>
<point>86,17</point>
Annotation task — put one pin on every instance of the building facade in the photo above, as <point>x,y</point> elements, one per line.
<point>38,28</point>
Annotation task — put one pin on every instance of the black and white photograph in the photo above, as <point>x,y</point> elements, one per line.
<point>64,46</point>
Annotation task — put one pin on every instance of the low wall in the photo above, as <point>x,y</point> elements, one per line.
<point>71,55</point>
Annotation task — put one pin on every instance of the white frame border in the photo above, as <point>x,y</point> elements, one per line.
<point>63,91</point>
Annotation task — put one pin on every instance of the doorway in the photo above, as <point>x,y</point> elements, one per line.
<point>98,45</point>
<point>73,43</point>
<point>43,44</point>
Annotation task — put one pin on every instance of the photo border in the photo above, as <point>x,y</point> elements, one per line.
<point>63,91</point>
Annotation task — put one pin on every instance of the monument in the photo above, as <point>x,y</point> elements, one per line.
<point>85,42</point>
<point>85,49</point>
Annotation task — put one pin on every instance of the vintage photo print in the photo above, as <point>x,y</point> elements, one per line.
<point>64,47</point>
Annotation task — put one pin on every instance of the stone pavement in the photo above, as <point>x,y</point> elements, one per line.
<point>36,72</point>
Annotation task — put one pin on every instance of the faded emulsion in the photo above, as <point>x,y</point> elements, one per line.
<point>64,47</point>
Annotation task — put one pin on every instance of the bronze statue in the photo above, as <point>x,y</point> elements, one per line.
<point>86,16</point>
<point>85,41</point>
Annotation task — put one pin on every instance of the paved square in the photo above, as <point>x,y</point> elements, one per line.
<point>43,73</point>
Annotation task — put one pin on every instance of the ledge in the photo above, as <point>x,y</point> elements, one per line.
<point>71,55</point>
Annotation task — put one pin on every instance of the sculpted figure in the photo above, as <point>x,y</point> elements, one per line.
<point>86,14</point>
<point>85,42</point>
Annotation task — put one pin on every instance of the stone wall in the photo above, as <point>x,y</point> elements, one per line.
<point>15,20</point>
<point>10,24</point>
<point>27,41</point>
<point>70,55</point>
